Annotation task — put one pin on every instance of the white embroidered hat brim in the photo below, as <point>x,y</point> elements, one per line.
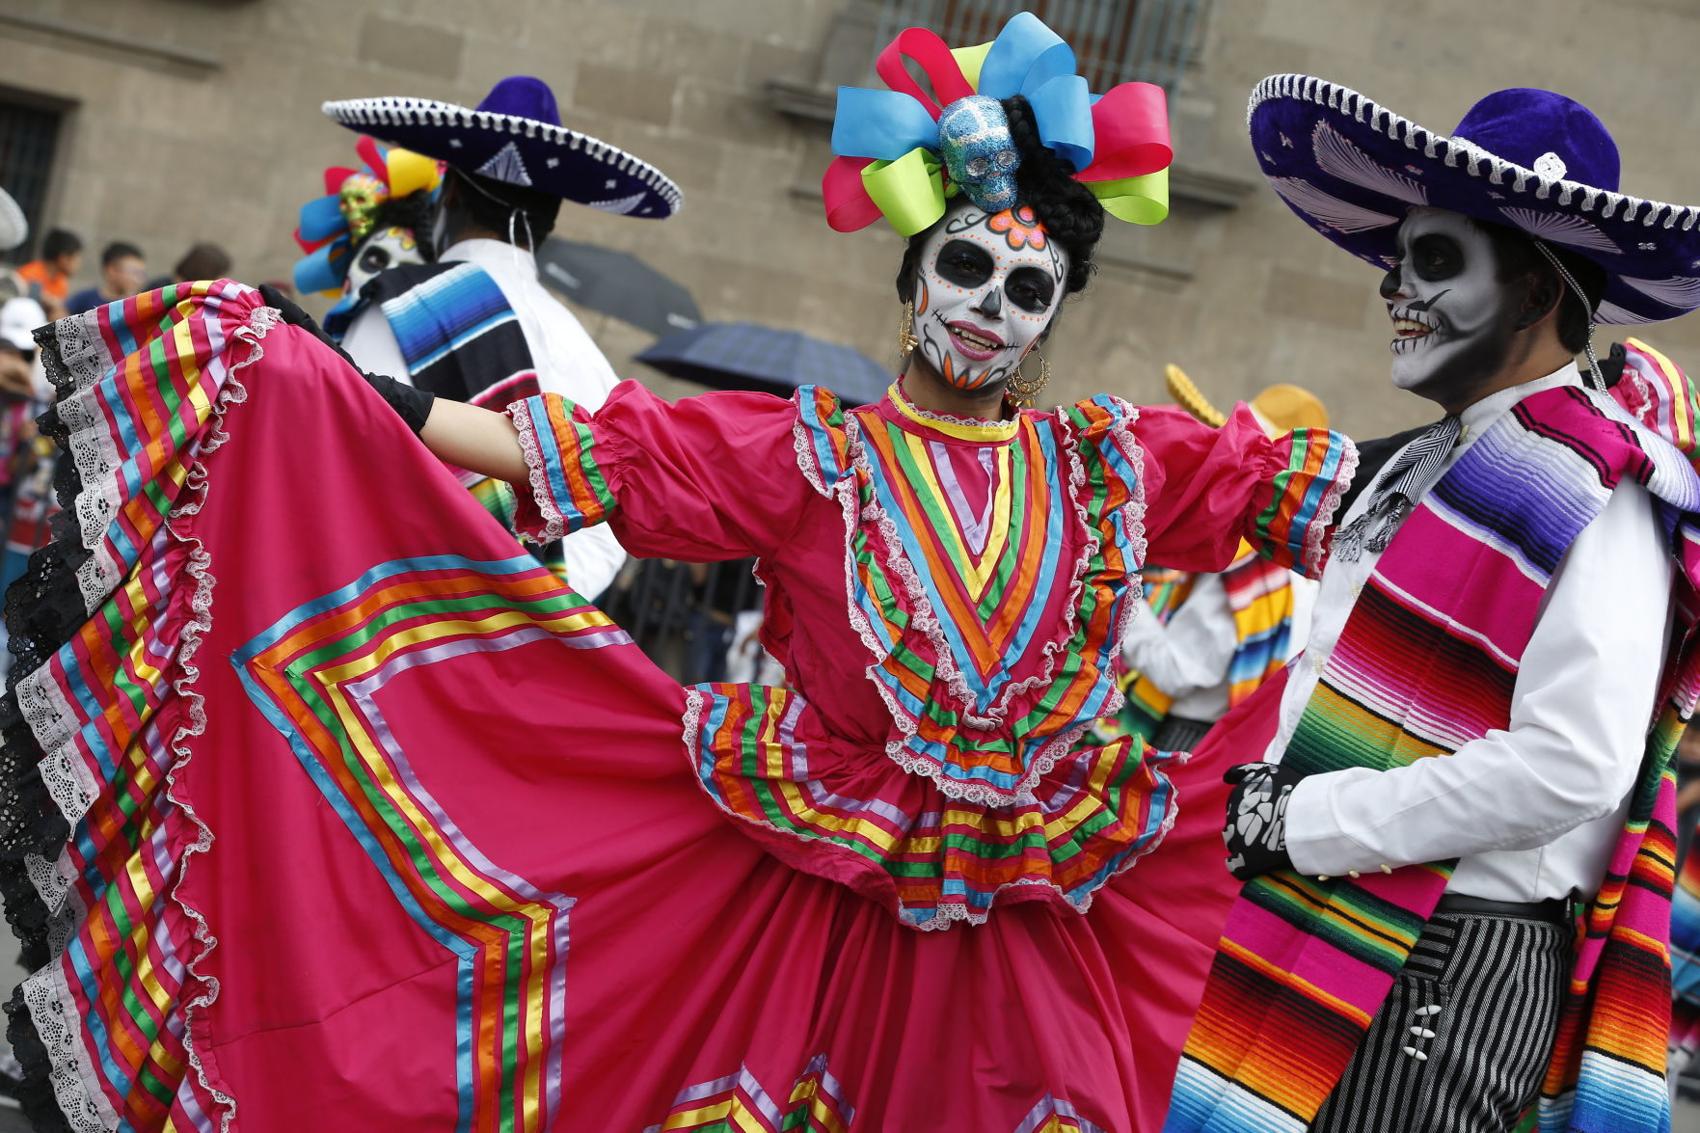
<point>519,151</point>
<point>1352,169</point>
<point>14,228</point>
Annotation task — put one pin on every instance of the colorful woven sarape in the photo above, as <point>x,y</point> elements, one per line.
<point>1426,663</point>
<point>328,812</point>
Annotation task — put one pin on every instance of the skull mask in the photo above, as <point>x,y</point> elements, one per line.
<point>978,151</point>
<point>384,249</point>
<point>358,200</point>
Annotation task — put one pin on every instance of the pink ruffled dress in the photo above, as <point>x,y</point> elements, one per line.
<point>341,813</point>
<point>947,598</point>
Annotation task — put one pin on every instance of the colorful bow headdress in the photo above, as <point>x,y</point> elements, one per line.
<point>901,153</point>
<point>333,225</point>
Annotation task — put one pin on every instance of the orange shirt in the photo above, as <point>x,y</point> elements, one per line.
<point>53,284</point>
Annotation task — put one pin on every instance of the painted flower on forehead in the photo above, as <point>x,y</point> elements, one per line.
<point>1019,228</point>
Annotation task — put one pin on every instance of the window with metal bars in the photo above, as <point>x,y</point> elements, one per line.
<point>1114,41</point>
<point>29,138</point>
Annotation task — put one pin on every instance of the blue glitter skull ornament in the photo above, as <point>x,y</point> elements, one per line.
<point>978,151</point>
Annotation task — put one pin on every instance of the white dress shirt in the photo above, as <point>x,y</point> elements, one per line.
<point>1189,657</point>
<point>1532,810</point>
<point>567,360</point>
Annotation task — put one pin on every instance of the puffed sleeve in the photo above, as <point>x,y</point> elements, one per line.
<point>1207,488</point>
<point>710,477</point>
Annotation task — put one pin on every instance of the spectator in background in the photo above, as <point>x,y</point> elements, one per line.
<point>203,260</point>
<point>49,278</point>
<point>122,273</point>
<point>18,371</point>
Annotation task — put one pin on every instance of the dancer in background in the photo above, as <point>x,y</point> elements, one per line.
<point>372,217</point>
<point>1462,763</point>
<point>476,325</point>
<point>472,861</point>
<point>1211,640</point>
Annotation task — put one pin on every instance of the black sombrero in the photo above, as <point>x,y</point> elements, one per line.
<point>515,136</point>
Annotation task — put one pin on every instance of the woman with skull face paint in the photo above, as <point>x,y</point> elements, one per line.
<point>1457,852</point>
<point>898,890</point>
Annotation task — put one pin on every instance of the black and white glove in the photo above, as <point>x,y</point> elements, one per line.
<point>411,404</point>
<point>1256,830</point>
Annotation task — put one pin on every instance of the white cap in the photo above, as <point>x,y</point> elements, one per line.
<point>14,229</point>
<point>18,319</point>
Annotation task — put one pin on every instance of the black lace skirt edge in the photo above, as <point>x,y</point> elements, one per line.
<point>43,611</point>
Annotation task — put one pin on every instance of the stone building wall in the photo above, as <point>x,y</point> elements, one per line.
<point>198,119</point>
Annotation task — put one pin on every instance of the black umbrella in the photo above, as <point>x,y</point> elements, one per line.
<point>747,356</point>
<point>618,284</point>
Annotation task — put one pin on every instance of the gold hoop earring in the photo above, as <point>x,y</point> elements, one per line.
<point>906,340</point>
<point>1022,391</point>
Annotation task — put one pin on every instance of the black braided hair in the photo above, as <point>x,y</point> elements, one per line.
<point>1045,183</point>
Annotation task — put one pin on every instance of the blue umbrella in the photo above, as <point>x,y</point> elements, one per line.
<point>747,356</point>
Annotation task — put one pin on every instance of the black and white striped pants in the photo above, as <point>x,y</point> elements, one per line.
<point>1463,1040</point>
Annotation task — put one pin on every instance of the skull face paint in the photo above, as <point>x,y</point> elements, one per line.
<point>384,249</point>
<point>1453,318</point>
<point>987,286</point>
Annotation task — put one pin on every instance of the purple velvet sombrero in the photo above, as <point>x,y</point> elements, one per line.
<point>515,135</point>
<point>1525,158</point>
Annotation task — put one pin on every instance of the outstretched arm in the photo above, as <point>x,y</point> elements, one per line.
<point>476,439</point>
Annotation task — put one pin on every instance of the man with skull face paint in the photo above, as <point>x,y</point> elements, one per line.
<point>1463,756</point>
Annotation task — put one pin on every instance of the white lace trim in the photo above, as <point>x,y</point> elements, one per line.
<point>805,450</point>
<point>53,1011</point>
<point>946,916</point>
<point>554,526</point>
<point>926,622</point>
<point>898,395</point>
<point>1323,523</point>
<point>82,352</point>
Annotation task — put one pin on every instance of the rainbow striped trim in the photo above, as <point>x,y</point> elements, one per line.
<point>142,385</point>
<point>569,490</point>
<point>1294,527</point>
<point>1303,965</point>
<point>315,675</point>
<point>986,698</point>
<point>1055,1115</point>
<point>737,1103</point>
<point>752,749</point>
<point>1657,393</point>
